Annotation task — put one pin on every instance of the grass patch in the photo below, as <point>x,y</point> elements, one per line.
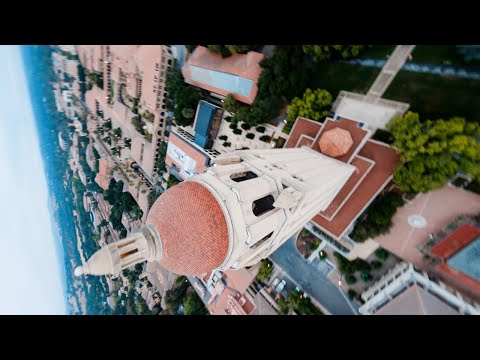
<point>377,52</point>
<point>442,55</point>
<point>336,76</point>
<point>435,96</point>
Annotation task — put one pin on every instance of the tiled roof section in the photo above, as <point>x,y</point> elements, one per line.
<point>356,132</point>
<point>301,127</point>
<point>304,141</point>
<point>192,228</point>
<point>244,65</point>
<point>416,301</point>
<point>460,280</point>
<point>385,159</point>
<point>456,241</point>
<point>363,166</point>
<point>239,279</point>
<point>336,142</point>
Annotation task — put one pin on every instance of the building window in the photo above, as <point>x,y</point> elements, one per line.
<point>261,241</point>
<point>263,205</point>
<point>239,177</point>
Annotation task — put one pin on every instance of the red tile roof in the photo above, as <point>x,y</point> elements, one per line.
<point>460,280</point>
<point>375,164</point>
<point>192,228</point>
<point>456,241</point>
<point>301,127</point>
<point>356,132</point>
<point>336,142</point>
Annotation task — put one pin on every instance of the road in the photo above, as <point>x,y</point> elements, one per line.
<point>310,279</point>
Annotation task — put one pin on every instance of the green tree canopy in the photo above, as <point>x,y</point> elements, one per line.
<point>193,305</point>
<point>325,52</point>
<point>313,105</point>
<point>182,97</point>
<point>284,77</point>
<point>434,150</point>
<point>231,104</point>
<point>266,270</point>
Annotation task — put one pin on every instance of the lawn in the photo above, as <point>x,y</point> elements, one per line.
<point>442,55</point>
<point>378,52</point>
<point>336,76</point>
<point>434,96</point>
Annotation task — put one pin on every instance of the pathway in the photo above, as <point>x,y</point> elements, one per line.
<point>390,69</point>
<point>308,277</point>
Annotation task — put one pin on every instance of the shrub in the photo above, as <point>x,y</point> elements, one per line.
<point>314,245</point>
<point>237,131</point>
<point>352,294</point>
<point>250,136</point>
<point>382,254</point>
<point>266,270</point>
<point>228,118</point>
<point>232,126</point>
<point>223,137</point>
<point>226,144</point>
<point>246,126</point>
<point>376,264</point>
<point>350,279</point>
<point>365,276</point>
<point>261,129</point>
<point>379,217</point>
<point>265,138</point>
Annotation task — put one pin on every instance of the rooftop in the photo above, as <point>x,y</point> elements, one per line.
<point>374,163</point>
<point>238,74</point>
<point>199,247</point>
<point>416,301</point>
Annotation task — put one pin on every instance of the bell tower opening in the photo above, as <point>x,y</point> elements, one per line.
<point>243,176</point>
<point>262,205</point>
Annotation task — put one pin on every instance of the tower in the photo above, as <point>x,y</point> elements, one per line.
<point>234,214</point>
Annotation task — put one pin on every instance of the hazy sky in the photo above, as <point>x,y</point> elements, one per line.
<point>30,276</point>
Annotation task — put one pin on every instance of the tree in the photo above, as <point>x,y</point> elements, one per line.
<point>265,271</point>
<point>312,105</point>
<point>193,305</point>
<point>379,217</point>
<point>230,104</point>
<point>239,49</point>
<point>284,307</point>
<point>103,223</point>
<point>190,48</point>
<point>284,77</point>
<point>182,97</point>
<point>325,52</point>
<point>432,151</point>
<point>382,254</point>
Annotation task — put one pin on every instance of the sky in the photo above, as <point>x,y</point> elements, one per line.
<point>30,273</point>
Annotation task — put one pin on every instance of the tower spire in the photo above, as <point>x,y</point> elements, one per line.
<point>113,258</point>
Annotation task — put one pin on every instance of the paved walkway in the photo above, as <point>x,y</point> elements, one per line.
<point>310,279</point>
<point>390,69</point>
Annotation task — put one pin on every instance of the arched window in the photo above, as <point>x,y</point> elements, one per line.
<point>243,176</point>
<point>261,206</point>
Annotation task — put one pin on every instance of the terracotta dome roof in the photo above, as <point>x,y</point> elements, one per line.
<point>335,142</point>
<point>192,228</point>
